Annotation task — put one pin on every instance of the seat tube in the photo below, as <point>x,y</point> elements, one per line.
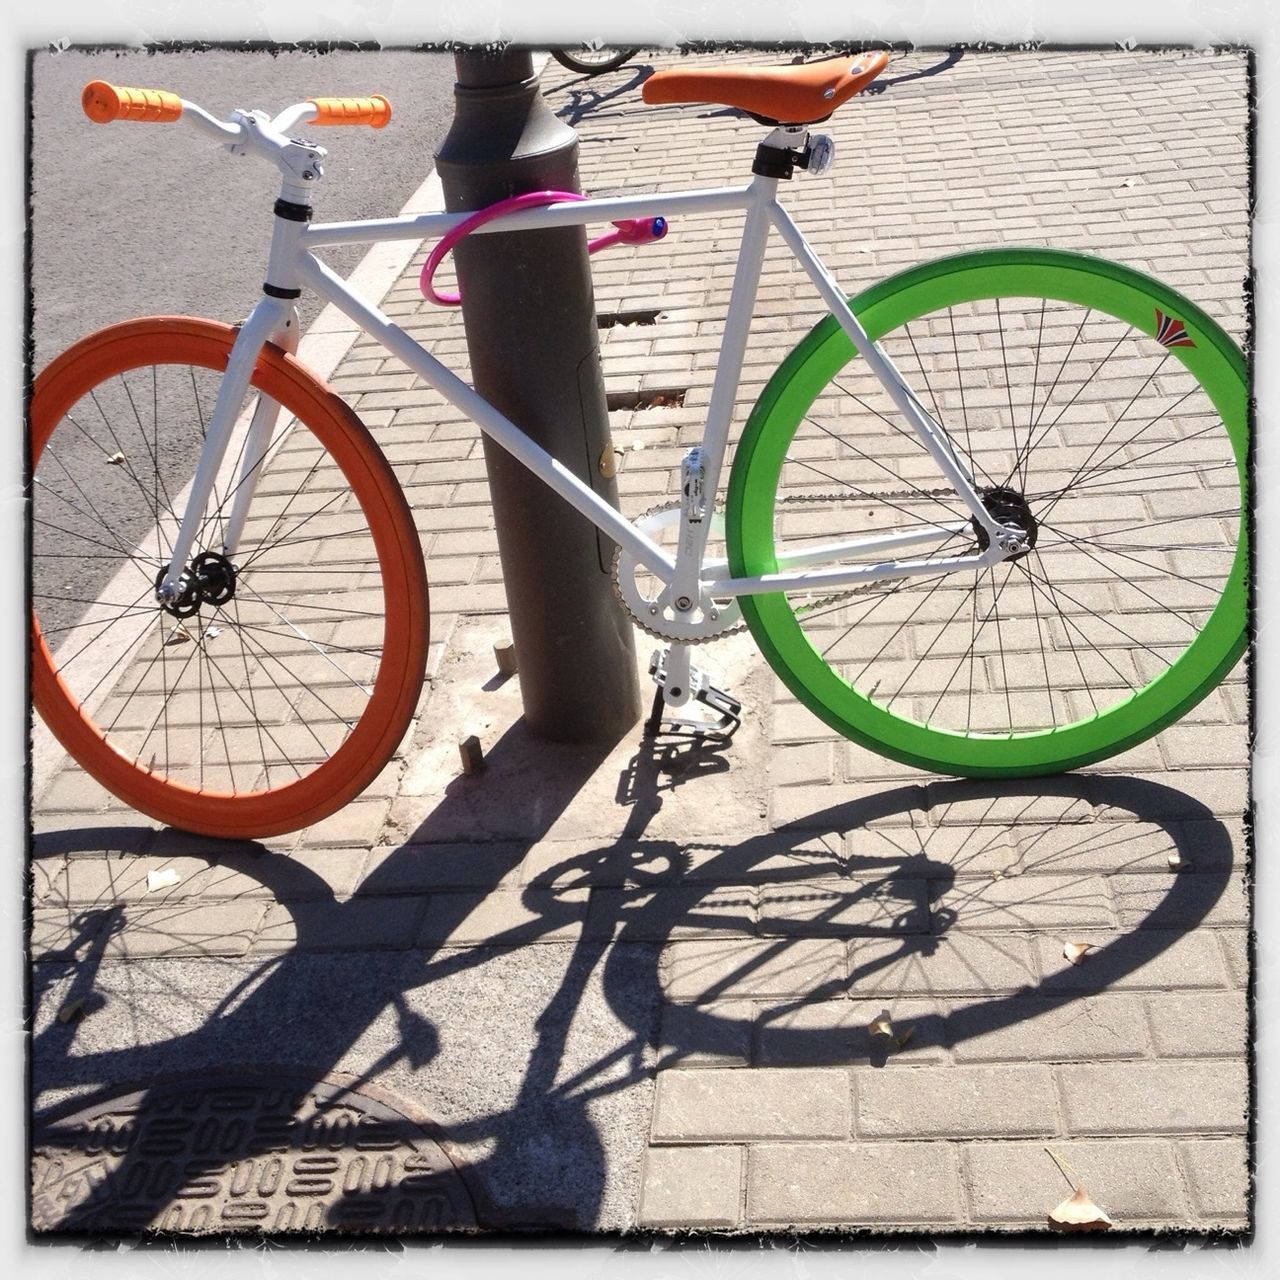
<point>733,346</point>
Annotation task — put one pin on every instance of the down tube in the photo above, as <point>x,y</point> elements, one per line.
<point>579,495</point>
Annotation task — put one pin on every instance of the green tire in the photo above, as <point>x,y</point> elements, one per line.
<point>1194,379</point>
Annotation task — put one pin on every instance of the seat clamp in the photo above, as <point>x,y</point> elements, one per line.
<point>778,162</point>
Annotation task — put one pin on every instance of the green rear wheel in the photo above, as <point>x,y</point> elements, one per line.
<point>1101,411</point>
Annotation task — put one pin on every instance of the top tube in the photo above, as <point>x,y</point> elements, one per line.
<point>563,214</point>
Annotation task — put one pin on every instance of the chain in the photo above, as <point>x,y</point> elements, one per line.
<point>787,499</point>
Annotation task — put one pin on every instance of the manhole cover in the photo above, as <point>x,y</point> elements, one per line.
<point>256,1153</point>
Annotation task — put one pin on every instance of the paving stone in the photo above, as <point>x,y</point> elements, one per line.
<point>1026,902</point>
<point>1019,1183</point>
<point>503,918</point>
<point>859,827</point>
<point>1143,959</point>
<point>358,824</point>
<point>427,868</point>
<point>843,907</point>
<point>177,929</point>
<point>1015,802</point>
<point>710,1104</point>
<point>969,1101</point>
<point>852,1184</point>
<point>697,971</point>
<point>715,1035</point>
<point>1234,944</point>
<point>1114,847</point>
<point>1183,898</point>
<point>1155,1097</point>
<point>839,1032</point>
<point>358,924</point>
<point>1199,1024</point>
<point>958,964</point>
<point>1217,1171</point>
<point>691,1187</point>
<point>1084,1028</point>
<point>672,911</point>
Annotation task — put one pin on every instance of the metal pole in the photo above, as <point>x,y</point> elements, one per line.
<point>530,321</point>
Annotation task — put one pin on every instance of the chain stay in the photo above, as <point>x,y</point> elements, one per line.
<point>788,499</point>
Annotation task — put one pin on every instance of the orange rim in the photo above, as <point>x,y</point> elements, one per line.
<point>372,742</point>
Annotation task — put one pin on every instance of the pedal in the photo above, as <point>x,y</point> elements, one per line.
<point>728,710</point>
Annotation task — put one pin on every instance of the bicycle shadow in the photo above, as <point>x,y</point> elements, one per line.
<point>585,96</point>
<point>589,986</point>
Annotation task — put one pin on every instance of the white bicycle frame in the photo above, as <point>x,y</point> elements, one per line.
<point>687,577</point>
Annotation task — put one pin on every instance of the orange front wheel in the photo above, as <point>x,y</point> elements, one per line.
<point>281,682</point>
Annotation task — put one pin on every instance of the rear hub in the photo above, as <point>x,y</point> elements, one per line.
<point>1006,506</point>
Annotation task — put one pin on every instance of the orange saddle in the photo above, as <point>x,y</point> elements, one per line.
<point>801,94</point>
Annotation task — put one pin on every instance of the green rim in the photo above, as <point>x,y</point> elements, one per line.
<point>1214,361</point>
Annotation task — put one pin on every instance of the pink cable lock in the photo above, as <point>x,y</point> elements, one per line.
<point>628,231</point>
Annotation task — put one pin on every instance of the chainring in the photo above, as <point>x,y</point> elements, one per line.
<point>724,619</point>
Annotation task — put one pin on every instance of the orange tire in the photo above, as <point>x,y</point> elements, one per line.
<point>292,678</point>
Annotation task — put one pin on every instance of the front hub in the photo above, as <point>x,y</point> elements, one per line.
<point>210,578</point>
<point>1007,506</point>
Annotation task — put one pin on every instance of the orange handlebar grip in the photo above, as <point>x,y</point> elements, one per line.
<point>374,111</point>
<point>103,102</point>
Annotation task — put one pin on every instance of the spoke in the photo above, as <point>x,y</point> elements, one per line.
<point>1083,471</point>
<point>879,599</point>
<point>131,610</point>
<point>1053,601</point>
<point>127,465</point>
<point>1033,443</point>
<point>995,608</point>
<point>1008,386</point>
<point>1186,471</point>
<point>1044,659</point>
<point>901,430</point>
<point>157,481</point>
<point>964,410</point>
<point>1191,468</point>
<point>261,629</point>
<point>127,611</point>
<point>1212,588</point>
<point>937,413</point>
<point>122,549</point>
<point>285,540</point>
<point>928,595</point>
<point>239,629</point>
<point>312,644</point>
<point>874,497</point>
<point>1035,379</point>
<point>1093,613</point>
<point>975,630</point>
<point>965,598</point>
<point>290,602</point>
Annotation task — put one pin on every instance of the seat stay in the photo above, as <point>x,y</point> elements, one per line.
<point>931,435</point>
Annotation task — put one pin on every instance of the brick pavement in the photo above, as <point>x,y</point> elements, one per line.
<point>808,889</point>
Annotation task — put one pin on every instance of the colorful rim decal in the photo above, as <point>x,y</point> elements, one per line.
<point>1171,332</point>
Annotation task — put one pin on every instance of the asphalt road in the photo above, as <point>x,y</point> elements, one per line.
<point>142,219</point>
<point>131,219</point>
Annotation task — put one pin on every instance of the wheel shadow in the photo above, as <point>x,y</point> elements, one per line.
<point>539,1160</point>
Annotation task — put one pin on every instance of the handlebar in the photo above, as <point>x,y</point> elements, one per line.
<point>103,103</point>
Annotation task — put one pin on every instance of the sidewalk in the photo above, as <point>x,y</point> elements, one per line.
<point>613,990</point>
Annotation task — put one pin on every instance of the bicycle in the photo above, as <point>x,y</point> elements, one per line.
<point>1044,563</point>
<point>590,60</point>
